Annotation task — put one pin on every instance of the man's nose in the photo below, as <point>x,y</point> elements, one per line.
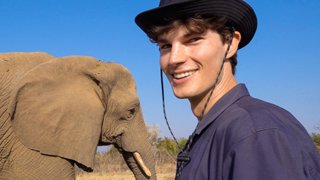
<point>178,54</point>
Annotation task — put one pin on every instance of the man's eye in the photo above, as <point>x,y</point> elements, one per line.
<point>194,39</point>
<point>164,46</point>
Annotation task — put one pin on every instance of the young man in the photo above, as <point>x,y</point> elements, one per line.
<point>238,137</point>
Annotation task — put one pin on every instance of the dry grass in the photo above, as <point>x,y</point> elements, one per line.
<point>110,165</point>
<point>165,172</point>
<point>106,176</point>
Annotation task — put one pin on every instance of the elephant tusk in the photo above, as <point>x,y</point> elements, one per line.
<point>139,160</point>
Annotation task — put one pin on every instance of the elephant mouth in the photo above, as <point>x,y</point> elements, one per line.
<point>144,168</point>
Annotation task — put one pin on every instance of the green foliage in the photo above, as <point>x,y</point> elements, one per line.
<point>169,145</point>
<point>316,138</point>
<point>182,142</point>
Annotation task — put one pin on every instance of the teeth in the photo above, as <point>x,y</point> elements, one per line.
<point>182,75</point>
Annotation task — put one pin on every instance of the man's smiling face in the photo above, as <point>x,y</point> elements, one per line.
<point>191,61</point>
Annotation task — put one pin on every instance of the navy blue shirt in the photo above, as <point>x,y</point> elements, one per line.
<point>243,138</point>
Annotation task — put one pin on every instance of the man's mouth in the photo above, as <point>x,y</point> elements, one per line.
<point>183,74</point>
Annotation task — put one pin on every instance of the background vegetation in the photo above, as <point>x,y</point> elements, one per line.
<point>165,151</point>
<point>316,137</point>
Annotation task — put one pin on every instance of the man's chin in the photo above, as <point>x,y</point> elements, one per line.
<point>180,96</point>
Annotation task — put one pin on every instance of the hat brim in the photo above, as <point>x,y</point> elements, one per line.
<point>237,12</point>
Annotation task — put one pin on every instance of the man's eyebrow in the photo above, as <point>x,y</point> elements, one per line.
<point>188,34</point>
<point>162,40</point>
<point>192,33</point>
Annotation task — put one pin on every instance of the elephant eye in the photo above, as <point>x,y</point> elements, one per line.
<point>131,112</point>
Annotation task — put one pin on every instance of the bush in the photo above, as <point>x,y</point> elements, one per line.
<point>316,138</point>
<point>165,151</point>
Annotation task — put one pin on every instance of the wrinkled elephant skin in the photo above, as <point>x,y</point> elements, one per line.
<point>54,112</point>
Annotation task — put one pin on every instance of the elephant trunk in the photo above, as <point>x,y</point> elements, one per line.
<point>141,164</point>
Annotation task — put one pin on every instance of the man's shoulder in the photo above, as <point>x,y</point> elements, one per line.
<point>250,116</point>
<point>259,114</point>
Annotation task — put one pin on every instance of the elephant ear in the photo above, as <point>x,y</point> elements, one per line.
<point>57,110</point>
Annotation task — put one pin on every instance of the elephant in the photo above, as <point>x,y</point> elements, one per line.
<point>55,111</point>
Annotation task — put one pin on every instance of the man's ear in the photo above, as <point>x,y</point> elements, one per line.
<point>234,44</point>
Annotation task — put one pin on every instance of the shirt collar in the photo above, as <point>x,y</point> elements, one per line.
<point>222,104</point>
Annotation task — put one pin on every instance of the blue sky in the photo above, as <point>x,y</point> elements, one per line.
<point>281,64</point>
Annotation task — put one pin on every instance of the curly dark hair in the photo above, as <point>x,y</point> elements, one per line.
<point>199,25</point>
